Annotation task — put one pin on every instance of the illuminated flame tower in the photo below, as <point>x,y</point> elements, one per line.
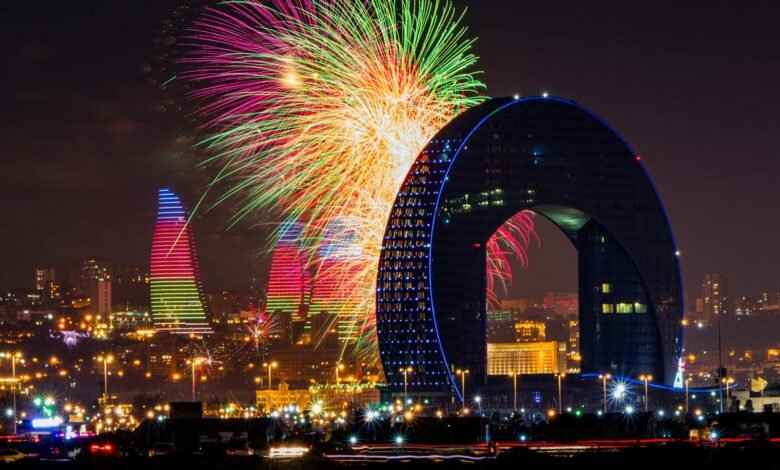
<point>289,282</point>
<point>178,302</point>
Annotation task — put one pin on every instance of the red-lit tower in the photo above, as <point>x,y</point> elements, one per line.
<point>178,301</point>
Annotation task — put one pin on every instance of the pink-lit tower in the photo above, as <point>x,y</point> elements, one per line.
<point>178,302</point>
<point>289,282</point>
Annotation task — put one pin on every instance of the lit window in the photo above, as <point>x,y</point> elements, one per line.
<point>606,288</point>
<point>607,308</point>
<point>625,308</point>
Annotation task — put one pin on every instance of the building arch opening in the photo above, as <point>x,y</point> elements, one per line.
<point>532,311</point>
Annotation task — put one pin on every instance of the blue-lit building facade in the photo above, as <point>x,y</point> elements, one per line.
<point>558,159</point>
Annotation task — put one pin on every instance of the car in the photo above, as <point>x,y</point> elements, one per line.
<point>102,448</point>
<point>238,449</point>
<point>11,455</point>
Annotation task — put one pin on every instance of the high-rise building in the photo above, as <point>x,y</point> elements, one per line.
<point>46,283</point>
<point>713,295</point>
<point>99,293</point>
<point>563,162</point>
<point>178,302</point>
<point>95,269</point>
<point>574,344</point>
<point>500,326</point>
<point>130,288</point>
<point>539,357</point>
<point>289,281</point>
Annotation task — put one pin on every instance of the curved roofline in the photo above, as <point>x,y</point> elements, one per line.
<point>463,143</point>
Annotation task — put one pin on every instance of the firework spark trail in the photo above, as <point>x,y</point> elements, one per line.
<point>511,240</point>
<point>318,108</point>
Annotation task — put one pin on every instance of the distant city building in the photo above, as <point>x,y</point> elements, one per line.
<point>94,270</point>
<point>745,306</point>
<point>713,295</point>
<point>562,303</point>
<point>574,346</point>
<point>541,357</point>
<point>100,297</point>
<point>223,305</point>
<point>46,282</point>
<point>501,326</point>
<point>529,331</point>
<point>346,396</point>
<point>177,298</point>
<point>130,288</point>
<point>519,305</point>
<point>300,364</point>
<point>327,397</point>
<point>269,400</point>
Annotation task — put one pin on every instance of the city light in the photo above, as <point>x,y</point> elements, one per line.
<point>42,423</point>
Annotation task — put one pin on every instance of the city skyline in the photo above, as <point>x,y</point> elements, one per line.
<point>647,100</point>
<point>388,232</point>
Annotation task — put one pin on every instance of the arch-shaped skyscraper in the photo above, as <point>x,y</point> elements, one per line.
<point>558,159</point>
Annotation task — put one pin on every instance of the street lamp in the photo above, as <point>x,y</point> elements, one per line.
<point>514,390</point>
<point>462,374</point>
<point>727,381</point>
<point>339,366</point>
<point>686,394</point>
<point>106,361</point>
<point>604,378</point>
<point>646,378</point>
<point>405,371</point>
<point>14,357</point>
<point>560,392</point>
<point>270,365</point>
<point>196,361</point>
<point>478,399</point>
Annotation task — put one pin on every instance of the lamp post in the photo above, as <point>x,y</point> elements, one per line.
<point>339,366</point>
<point>560,392</point>
<point>604,378</point>
<point>270,365</point>
<point>514,390</point>
<point>462,374</point>
<point>106,361</point>
<point>405,371</point>
<point>196,361</point>
<point>727,381</point>
<point>686,394</point>
<point>14,357</point>
<point>646,378</point>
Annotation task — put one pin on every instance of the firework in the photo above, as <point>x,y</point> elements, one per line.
<point>510,241</point>
<point>318,108</point>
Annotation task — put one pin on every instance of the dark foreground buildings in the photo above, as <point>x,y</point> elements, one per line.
<point>561,161</point>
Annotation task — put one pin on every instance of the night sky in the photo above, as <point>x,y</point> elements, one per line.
<point>88,134</point>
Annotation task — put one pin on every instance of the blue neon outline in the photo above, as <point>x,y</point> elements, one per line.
<point>441,190</point>
<point>660,204</point>
<point>430,244</point>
